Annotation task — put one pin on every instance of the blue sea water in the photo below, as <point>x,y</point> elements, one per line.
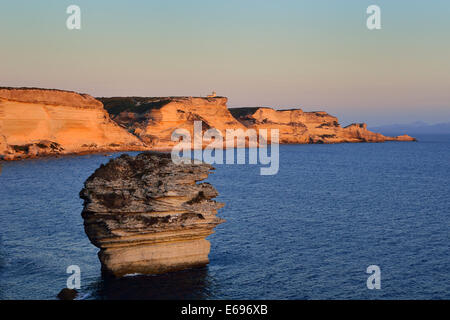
<point>308,232</point>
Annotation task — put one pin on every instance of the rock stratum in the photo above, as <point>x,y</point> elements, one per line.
<point>148,215</point>
<point>41,122</point>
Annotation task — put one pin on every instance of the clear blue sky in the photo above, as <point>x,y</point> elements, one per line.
<point>317,55</point>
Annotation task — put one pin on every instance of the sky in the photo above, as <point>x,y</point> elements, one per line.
<point>316,55</point>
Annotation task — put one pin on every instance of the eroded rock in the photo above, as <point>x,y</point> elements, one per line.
<point>43,122</point>
<point>148,215</point>
<point>298,126</point>
<point>154,119</point>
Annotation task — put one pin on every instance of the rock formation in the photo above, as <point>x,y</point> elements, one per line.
<point>297,126</point>
<point>154,119</point>
<point>36,122</point>
<point>148,215</point>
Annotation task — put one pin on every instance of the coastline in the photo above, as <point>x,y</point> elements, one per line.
<point>36,123</point>
<point>107,152</point>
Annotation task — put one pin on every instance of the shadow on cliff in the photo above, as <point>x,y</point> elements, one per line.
<point>193,284</point>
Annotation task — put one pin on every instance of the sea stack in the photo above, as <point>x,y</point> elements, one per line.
<point>149,215</point>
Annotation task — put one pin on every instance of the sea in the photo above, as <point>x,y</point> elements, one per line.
<point>308,232</point>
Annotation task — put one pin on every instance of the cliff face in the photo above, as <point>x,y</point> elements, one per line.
<point>35,122</point>
<point>148,215</point>
<point>154,119</point>
<point>50,97</point>
<point>297,126</point>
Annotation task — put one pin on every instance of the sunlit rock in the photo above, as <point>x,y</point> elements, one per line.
<point>148,215</point>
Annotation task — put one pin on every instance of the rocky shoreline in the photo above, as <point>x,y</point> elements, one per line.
<point>38,123</point>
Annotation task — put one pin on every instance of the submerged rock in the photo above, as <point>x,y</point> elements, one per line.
<point>148,215</point>
<point>67,294</point>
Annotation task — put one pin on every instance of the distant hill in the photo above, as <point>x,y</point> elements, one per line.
<point>414,128</point>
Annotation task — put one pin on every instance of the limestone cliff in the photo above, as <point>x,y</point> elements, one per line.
<point>297,126</point>
<point>148,215</point>
<point>154,119</point>
<point>36,122</point>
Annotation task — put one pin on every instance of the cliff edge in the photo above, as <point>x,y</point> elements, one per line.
<point>154,119</point>
<point>38,122</point>
<point>297,126</point>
